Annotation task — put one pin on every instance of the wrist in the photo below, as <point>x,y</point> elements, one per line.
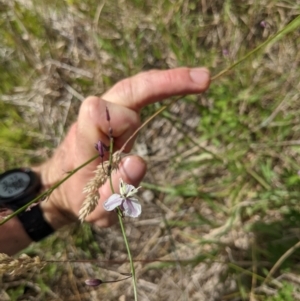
<point>54,216</point>
<point>52,208</point>
<point>13,236</point>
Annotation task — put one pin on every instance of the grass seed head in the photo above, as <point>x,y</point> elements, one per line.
<point>102,173</point>
<point>18,266</point>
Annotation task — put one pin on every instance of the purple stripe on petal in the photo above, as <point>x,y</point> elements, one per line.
<point>132,208</point>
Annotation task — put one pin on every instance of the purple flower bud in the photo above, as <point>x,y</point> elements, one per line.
<point>225,52</point>
<point>99,146</point>
<point>263,24</point>
<point>107,114</point>
<point>93,282</point>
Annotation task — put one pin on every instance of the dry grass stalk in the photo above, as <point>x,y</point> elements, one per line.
<point>92,187</point>
<point>21,265</point>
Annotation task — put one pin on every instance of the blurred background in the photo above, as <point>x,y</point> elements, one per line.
<point>221,197</point>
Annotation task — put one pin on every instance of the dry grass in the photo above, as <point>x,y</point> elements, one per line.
<point>222,191</point>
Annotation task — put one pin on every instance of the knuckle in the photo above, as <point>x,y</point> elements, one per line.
<point>124,88</point>
<point>90,101</point>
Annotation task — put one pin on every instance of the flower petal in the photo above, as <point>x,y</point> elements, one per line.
<point>113,202</point>
<point>127,190</point>
<point>132,207</point>
<point>132,190</point>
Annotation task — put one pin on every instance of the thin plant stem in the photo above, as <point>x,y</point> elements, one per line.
<point>148,120</point>
<point>119,213</point>
<point>47,192</point>
<point>280,34</point>
<point>112,281</point>
<point>111,146</point>
<point>129,255</point>
<point>279,262</point>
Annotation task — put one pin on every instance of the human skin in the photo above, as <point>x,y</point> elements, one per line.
<point>124,101</point>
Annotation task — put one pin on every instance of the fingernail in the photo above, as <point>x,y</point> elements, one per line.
<point>200,76</point>
<point>134,168</point>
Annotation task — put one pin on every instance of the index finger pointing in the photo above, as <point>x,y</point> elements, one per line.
<point>152,86</point>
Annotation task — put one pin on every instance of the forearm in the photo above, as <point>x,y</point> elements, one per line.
<point>13,237</point>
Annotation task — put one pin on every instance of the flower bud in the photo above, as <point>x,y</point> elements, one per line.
<point>100,148</point>
<point>263,24</point>
<point>93,282</point>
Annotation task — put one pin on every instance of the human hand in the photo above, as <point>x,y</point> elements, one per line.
<point>124,101</point>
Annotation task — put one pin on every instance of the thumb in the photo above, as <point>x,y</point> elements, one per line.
<point>132,169</point>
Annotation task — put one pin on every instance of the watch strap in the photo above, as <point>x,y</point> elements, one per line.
<point>34,223</point>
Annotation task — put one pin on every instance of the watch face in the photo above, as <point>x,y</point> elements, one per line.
<point>13,184</point>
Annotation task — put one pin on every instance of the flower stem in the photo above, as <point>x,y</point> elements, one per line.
<point>111,148</point>
<point>129,255</point>
<point>122,225</point>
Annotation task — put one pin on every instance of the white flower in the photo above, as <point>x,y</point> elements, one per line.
<point>125,200</point>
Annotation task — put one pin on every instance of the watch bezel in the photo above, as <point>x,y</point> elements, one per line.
<point>31,191</point>
<point>33,220</point>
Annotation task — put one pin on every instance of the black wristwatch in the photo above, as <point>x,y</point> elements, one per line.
<point>18,187</point>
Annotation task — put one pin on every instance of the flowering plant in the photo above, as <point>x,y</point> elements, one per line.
<point>126,201</point>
